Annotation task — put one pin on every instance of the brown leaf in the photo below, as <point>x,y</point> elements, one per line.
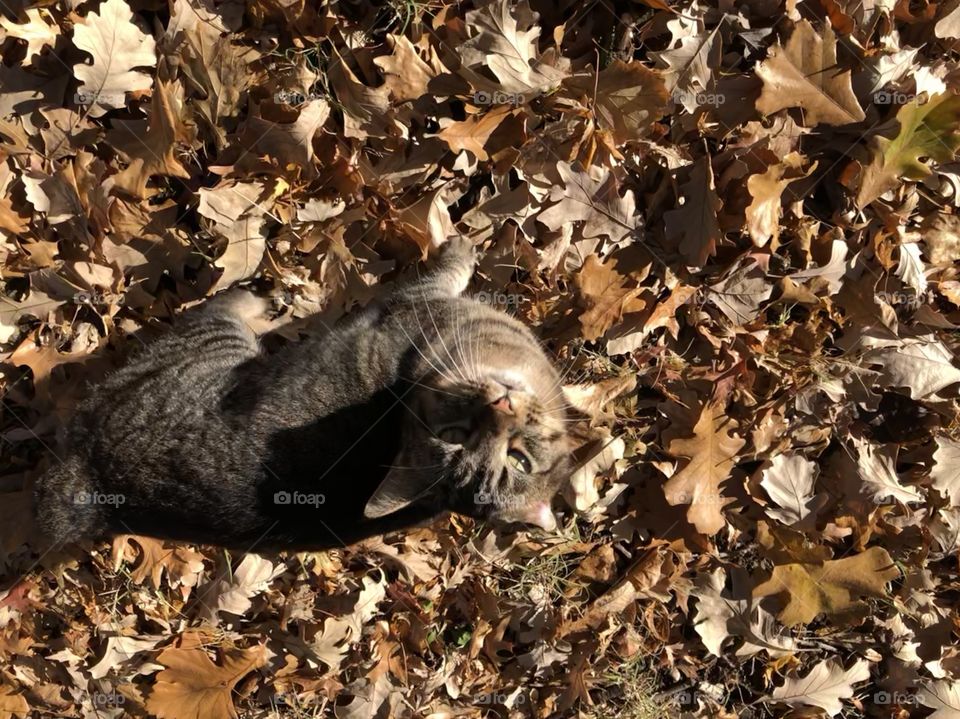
<point>473,133</point>
<point>591,196</point>
<point>804,74</point>
<point>406,75</point>
<point>152,146</point>
<point>627,98</point>
<point>766,189</point>
<point>833,587</point>
<point>712,452</point>
<point>693,226</point>
<point>193,687</point>
<point>607,296</point>
<point>118,47</point>
<point>12,706</point>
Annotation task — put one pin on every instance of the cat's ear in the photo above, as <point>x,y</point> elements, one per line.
<point>591,399</point>
<point>399,489</point>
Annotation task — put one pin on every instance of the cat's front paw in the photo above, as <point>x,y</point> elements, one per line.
<point>457,261</point>
<point>459,251</point>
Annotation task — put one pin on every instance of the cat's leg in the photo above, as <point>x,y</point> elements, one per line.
<point>241,306</point>
<point>449,277</point>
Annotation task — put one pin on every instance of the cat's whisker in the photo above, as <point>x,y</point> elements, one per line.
<point>436,354</point>
<point>443,344</point>
<point>429,388</point>
<point>469,364</point>
<point>458,344</point>
<point>557,388</point>
<point>440,373</point>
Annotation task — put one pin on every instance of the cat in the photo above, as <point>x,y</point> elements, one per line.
<point>425,403</point>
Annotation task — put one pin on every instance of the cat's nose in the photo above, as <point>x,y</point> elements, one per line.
<point>503,404</point>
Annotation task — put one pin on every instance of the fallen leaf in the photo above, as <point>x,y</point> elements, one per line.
<point>711,452</point>
<point>805,74</point>
<point>928,131</point>
<point>693,226</point>
<point>627,98</point>
<point>832,587</point>
<point>824,686</point>
<point>118,46</point>
<point>591,197</point>
<point>607,296</point>
<point>37,32</point>
<point>789,481</point>
<point>192,686</point>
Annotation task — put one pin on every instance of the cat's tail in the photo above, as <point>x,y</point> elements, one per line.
<point>66,505</point>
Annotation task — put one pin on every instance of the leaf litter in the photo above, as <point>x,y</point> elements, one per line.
<point>739,225</point>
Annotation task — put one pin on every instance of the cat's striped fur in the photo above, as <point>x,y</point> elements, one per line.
<point>426,403</point>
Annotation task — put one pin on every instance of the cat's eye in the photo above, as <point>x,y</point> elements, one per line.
<point>519,461</point>
<point>453,434</point>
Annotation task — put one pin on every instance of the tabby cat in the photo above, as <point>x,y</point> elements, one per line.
<point>425,403</point>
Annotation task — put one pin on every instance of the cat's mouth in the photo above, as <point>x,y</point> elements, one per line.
<point>536,514</point>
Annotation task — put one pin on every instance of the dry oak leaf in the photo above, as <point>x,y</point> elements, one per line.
<point>12,706</point>
<point>289,143</point>
<point>944,696</point>
<point>193,687</point>
<point>923,365</point>
<point>789,481</point>
<point>182,564</point>
<point>877,467</point>
<point>804,74</point>
<point>832,587</point>
<point>626,97</point>
<point>827,684</point>
<point>927,131</point>
<point>693,226</point>
<point>234,594</point>
<point>607,296</point>
<point>237,215</point>
<point>945,475</point>
<point>151,147</point>
<point>36,32</point>
<point>36,304</point>
<point>405,74</point>
<point>473,133</point>
<point>365,108</point>
<point>766,189</point>
<point>712,452</point>
<point>117,46</point>
<point>508,46</point>
<point>688,67</point>
<point>591,197</point>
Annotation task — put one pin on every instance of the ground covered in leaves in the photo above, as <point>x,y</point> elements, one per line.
<point>740,216</point>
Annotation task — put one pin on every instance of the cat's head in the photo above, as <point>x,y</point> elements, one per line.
<point>487,438</point>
